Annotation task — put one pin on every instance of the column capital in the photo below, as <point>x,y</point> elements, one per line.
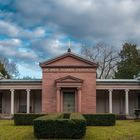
<point>28,90</point>
<point>110,90</point>
<point>126,90</point>
<point>12,90</point>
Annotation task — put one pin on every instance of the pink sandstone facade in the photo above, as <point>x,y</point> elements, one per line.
<point>65,73</point>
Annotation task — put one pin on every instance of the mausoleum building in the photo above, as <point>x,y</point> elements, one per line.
<point>69,84</point>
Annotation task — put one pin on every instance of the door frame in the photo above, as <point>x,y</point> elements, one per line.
<point>62,98</point>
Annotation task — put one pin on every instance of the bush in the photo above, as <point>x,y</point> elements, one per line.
<point>66,115</point>
<point>100,119</point>
<point>56,126</point>
<point>137,113</point>
<point>25,119</point>
<point>120,117</point>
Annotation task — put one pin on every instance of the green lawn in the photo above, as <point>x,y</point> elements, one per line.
<point>8,131</point>
<point>124,130</point>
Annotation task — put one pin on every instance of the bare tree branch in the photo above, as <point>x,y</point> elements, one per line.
<point>106,56</point>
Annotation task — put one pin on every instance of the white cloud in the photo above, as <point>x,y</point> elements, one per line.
<point>32,34</point>
<point>8,28</point>
<point>89,20</point>
<point>12,30</point>
<point>9,47</point>
<point>27,56</point>
<point>14,42</point>
<point>13,49</point>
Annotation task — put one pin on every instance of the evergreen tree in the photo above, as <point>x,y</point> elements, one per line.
<point>3,71</point>
<point>129,64</point>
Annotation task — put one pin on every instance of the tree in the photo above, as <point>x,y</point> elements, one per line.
<point>3,71</point>
<point>10,67</point>
<point>105,55</point>
<point>129,64</point>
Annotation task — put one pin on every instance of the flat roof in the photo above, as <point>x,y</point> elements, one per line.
<point>97,80</point>
<point>117,81</point>
<point>21,81</point>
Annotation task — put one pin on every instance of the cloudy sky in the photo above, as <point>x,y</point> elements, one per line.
<point>32,31</point>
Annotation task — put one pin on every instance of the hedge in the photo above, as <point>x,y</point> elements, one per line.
<point>80,125</point>
<point>25,119</point>
<point>71,126</point>
<point>137,113</point>
<point>100,119</point>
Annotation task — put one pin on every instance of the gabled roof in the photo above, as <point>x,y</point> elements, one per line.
<point>68,79</point>
<point>68,54</point>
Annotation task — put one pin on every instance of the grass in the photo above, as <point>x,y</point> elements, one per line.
<point>124,130</point>
<point>8,131</point>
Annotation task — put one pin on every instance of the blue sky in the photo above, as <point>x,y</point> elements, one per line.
<point>32,31</point>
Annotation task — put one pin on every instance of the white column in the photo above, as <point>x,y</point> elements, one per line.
<point>127,101</point>
<point>12,101</point>
<point>28,100</point>
<point>110,100</point>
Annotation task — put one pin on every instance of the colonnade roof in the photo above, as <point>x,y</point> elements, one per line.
<point>117,81</point>
<point>97,81</point>
<point>8,81</point>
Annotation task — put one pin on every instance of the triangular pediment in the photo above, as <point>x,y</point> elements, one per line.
<point>69,79</point>
<point>68,60</point>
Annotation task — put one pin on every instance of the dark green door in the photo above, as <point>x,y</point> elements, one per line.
<point>69,102</point>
